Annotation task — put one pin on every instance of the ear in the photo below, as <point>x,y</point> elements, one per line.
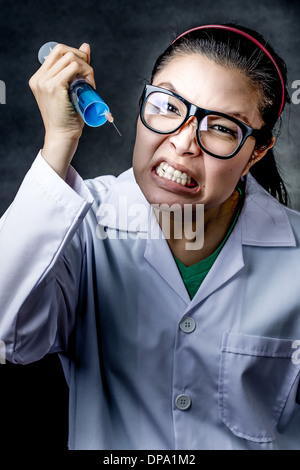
<point>257,155</point>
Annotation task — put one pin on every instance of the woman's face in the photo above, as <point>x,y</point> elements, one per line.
<point>207,85</point>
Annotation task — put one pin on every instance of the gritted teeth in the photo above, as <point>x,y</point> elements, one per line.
<point>166,171</point>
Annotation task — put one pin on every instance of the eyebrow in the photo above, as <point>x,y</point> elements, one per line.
<point>169,87</point>
<point>237,115</point>
<point>241,117</point>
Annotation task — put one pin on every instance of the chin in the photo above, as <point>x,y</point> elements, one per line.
<point>157,196</point>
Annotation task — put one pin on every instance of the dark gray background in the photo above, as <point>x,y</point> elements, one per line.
<point>125,37</point>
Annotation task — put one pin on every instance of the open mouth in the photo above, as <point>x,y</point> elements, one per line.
<point>164,170</point>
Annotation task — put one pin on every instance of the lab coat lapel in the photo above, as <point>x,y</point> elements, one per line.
<point>262,222</point>
<point>159,256</point>
<point>126,209</point>
<point>229,262</point>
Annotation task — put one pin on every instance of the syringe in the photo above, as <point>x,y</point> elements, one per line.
<point>93,110</point>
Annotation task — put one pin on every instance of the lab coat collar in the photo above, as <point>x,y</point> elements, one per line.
<point>263,221</point>
<point>124,207</point>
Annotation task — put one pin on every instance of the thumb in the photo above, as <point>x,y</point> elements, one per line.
<point>85,47</point>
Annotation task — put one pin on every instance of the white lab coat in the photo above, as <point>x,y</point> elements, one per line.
<point>80,276</point>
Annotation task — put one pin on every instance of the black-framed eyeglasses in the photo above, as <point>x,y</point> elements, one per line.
<point>218,134</point>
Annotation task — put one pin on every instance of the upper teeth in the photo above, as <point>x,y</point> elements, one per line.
<point>167,171</point>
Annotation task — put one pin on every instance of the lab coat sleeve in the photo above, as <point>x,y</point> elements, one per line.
<point>40,262</point>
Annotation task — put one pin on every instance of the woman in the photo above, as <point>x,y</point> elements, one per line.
<point>166,343</point>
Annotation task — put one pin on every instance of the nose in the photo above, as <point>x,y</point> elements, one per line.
<point>185,139</point>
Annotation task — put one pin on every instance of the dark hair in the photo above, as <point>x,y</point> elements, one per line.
<point>230,49</point>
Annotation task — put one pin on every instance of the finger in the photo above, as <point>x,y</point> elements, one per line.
<point>85,47</point>
<point>78,67</point>
<point>59,51</point>
<point>66,75</point>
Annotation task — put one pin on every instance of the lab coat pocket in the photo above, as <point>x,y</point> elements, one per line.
<point>257,375</point>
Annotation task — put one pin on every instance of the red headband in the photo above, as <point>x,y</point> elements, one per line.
<point>251,38</point>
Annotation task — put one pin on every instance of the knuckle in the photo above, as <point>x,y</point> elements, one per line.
<point>43,86</point>
<point>89,71</point>
<point>70,56</point>
<point>48,87</point>
<point>59,48</point>
<point>75,67</point>
<point>31,82</point>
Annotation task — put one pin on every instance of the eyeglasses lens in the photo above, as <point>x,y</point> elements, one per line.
<point>219,135</point>
<point>163,112</point>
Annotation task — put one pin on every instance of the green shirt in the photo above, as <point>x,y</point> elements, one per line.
<point>194,275</point>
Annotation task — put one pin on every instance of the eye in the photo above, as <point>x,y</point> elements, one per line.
<point>225,130</point>
<point>172,109</point>
<point>220,127</point>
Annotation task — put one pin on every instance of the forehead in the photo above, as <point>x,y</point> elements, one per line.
<point>210,85</point>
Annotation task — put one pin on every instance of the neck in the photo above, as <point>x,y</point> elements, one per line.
<point>195,236</point>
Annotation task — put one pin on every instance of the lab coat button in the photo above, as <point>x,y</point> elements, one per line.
<point>183,402</point>
<point>187,325</point>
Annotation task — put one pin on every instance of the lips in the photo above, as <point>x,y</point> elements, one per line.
<point>168,172</point>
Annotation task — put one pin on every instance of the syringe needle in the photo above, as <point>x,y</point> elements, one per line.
<point>110,119</point>
<point>117,129</point>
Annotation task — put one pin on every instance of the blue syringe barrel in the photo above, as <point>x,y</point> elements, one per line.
<point>88,103</point>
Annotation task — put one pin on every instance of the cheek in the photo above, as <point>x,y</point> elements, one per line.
<point>222,176</point>
<point>232,169</point>
<point>146,144</point>
<point>222,172</point>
